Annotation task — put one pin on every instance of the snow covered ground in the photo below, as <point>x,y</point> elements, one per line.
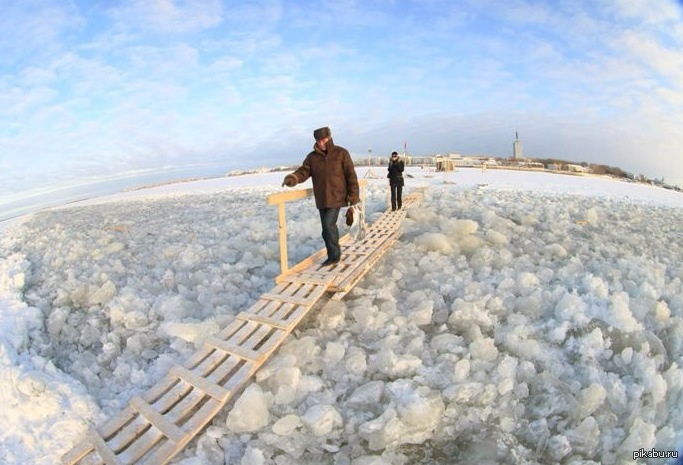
<point>522,318</point>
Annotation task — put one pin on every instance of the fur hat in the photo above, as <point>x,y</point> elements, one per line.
<point>321,133</point>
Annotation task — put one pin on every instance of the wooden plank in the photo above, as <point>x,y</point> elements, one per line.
<point>265,336</point>
<point>128,440</point>
<point>214,390</point>
<point>103,449</point>
<point>138,441</point>
<point>284,261</point>
<point>305,301</point>
<point>288,196</point>
<point>303,279</point>
<point>166,450</point>
<point>382,242</point>
<point>273,341</point>
<point>204,415</point>
<point>315,275</point>
<point>305,290</point>
<point>234,328</point>
<point>77,453</point>
<point>117,422</point>
<point>138,449</point>
<point>165,394</point>
<point>186,413</point>
<point>167,427</point>
<point>266,308</point>
<point>284,325</point>
<point>128,422</point>
<point>349,282</point>
<point>302,294</point>
<point>200,418</point>
<point>256,338</point>
<point>290,314</point>
<point>232,349</point>
<point>319,256</point>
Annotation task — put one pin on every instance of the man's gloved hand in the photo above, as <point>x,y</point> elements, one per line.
<point>290,181</point>
<point>353,200</point>
<point>349,216</point>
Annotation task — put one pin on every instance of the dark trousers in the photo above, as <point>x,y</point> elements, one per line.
<point>328,219</point>
<point>396,193</point>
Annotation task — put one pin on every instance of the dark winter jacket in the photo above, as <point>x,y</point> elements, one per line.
<point>396,172</point>
<point>335,184</point>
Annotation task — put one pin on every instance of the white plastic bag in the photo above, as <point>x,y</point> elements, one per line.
<point>358,227</point>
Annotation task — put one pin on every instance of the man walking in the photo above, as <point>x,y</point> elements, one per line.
<point>335,185</point>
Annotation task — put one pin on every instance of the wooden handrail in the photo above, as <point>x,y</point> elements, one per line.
<point>280,198</point>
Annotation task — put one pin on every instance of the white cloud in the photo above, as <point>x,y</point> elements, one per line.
<point>648,11</point>
<point>35,28</point>
<point>174,16</point>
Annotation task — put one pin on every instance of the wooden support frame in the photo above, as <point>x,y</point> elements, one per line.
<point>280,198</point>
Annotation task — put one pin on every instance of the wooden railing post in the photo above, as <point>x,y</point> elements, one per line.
<point>279,199</point>
<point>284,263</point>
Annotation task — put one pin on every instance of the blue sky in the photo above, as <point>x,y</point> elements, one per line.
<point>100,89</point>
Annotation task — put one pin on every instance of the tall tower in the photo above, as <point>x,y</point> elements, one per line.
<point>517,147</point>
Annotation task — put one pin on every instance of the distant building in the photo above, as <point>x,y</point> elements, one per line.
<point>568,167</point>
<point>517,148</point>
<point>530,164</point>
<point>444,163</point>
<point>577,168</point>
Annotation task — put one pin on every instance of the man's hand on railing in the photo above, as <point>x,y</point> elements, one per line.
<point>290,181</point>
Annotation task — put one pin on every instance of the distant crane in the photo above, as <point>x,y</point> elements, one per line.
<point>369,173</point>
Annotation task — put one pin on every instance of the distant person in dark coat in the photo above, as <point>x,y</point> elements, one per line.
<point>395,176</point>
<point>335,185</point>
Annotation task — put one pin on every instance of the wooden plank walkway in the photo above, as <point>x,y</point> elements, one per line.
<point>158,424</point>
